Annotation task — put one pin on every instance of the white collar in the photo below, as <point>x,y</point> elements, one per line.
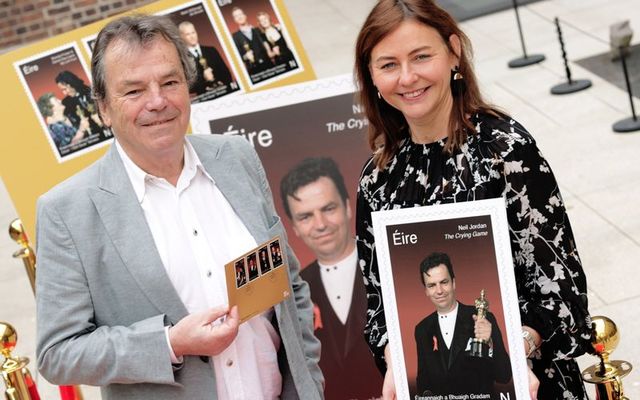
<point>139,177</point>
<point>343,264</point>
<point>451,313</point>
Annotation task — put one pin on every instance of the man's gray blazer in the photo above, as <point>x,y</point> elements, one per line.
<point>104,299</point>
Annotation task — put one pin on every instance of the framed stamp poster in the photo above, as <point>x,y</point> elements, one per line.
<point>450,302</point>
<point>58,86</point>
<point>215,74</point>
<point>260,39</point>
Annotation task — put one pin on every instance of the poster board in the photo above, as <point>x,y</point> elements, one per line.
<point>475,237</point>
<point>29,163</point>
<point>287,126</point>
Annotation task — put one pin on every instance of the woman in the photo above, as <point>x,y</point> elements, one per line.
<point>435,140</point>
<point>279,51</point>
<point>60,128</point>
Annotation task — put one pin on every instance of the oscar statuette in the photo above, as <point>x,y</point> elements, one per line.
<point>205,66</point>
<point>19,384</point>
<point>248,53</point>
<point>18,234</point>
<point>480,347</point>
<point>606,375</point>
<point>203,62</point>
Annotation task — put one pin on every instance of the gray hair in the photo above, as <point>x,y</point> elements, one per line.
<point>139,29</point>
<point>185,23</point>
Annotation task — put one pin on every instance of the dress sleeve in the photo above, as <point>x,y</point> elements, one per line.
<point>375,330</point>
<point>550,281</point>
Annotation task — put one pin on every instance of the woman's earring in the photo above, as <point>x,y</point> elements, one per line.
<point>458,85</point>
<point>379,94</point>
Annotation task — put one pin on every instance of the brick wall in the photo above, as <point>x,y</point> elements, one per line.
<point>26,21</point>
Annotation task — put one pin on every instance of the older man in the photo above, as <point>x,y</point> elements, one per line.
<point>211,70</point>
<point>131,288</point>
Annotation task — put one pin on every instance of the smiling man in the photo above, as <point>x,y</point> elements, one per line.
<point>443,340</point>
<point>315,199</point>
<point>131,292</point>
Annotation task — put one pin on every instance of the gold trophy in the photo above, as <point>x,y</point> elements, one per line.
<point>17,233</point>
<point>606,375</point>
<point>203,62</point>
<point>205,66</point>
<point>17,378</point>
<point>248,53</point>
<point>480,347</point>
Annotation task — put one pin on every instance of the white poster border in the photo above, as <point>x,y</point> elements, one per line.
<point>495,209</point>
<point>202,113</point>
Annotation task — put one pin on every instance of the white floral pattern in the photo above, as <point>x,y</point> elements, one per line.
<point>500,160</point>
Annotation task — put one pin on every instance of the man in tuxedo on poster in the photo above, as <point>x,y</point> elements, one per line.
<point>250,43</point>
<point>443,340</point>
<point>316,201</point>
<point>212,72</point>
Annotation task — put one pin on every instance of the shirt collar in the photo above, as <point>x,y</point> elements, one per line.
<point>451,313</point>
<point>348,261</point>
<point>139,177</point>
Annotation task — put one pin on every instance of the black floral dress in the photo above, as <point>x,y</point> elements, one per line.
<point>500,160</point>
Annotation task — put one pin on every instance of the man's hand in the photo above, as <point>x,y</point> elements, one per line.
<point>248,55</point>
<point>482,328</point>
<point>196,334</point>
<point>208,75</point>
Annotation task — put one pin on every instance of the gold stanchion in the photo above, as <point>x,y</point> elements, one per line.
<point>17,379</point>
<point>17,233</point>
<point>606,375</point>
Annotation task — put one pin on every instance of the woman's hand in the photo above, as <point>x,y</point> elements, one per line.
<point>388,385</point>
<point>533,385</point>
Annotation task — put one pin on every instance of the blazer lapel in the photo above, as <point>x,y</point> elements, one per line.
<point>433,329</point>
<point>126,225</point>
<point>238,191</point>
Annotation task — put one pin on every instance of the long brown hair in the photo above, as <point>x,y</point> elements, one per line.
<point>387,125</point>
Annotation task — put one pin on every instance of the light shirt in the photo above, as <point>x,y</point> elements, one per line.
<point>196,51</point>
<point>247,30</point>
<point>447,324</point>
<point>272,34</point>
<point>337,280</point>
<point>196,232</point>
